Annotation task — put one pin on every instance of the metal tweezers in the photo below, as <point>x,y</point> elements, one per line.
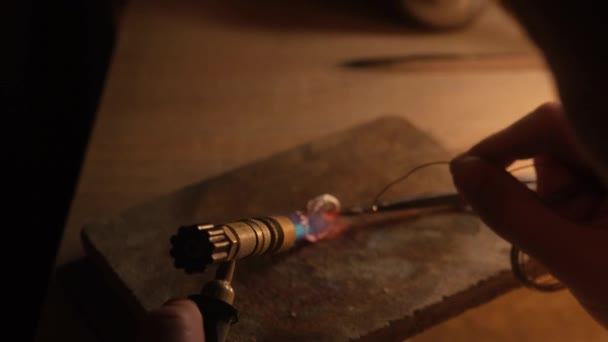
<point>448,200</point>
<point>433,200</point>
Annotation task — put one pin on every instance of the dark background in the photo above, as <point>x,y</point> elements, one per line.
<point>57,55</point>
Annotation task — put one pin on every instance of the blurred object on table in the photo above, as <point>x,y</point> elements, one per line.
<point>442,14</point>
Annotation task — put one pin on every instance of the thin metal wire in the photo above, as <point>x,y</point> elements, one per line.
<point>405,176</point>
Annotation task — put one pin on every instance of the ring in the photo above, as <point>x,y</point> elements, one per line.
<point>518,266</point>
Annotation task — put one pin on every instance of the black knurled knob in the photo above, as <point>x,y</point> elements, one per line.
<point>196,246</point>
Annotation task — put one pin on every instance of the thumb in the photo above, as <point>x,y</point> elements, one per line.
<point>176,321</point>
<point>509,208</point>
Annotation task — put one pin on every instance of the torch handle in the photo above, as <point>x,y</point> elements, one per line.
<point>218,316</point>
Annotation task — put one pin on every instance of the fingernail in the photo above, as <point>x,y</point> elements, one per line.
<point>467,172</point>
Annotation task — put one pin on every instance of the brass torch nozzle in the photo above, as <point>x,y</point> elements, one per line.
<point>196,246</point>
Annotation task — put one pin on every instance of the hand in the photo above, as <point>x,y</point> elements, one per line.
<point>177,321</point>
<point>564,224</point>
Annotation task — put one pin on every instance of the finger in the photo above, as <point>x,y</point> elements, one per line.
<point>177,321</point>
<point>565,191</point>
<point>553,177</point>
<point>544,131</point>
<point>512,210</point>
<point>583,207</point>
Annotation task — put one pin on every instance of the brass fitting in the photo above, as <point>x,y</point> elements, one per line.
<point>215,303</point>
<point>194,247</point>
<point>220,288</point>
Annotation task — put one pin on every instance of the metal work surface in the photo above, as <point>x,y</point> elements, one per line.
<point>386,282</point>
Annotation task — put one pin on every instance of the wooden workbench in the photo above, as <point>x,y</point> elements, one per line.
<point>199,88</point>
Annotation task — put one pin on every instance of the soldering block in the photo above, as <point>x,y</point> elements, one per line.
<point>380,283</point>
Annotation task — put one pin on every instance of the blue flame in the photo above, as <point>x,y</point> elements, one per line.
<point>301,230</point>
